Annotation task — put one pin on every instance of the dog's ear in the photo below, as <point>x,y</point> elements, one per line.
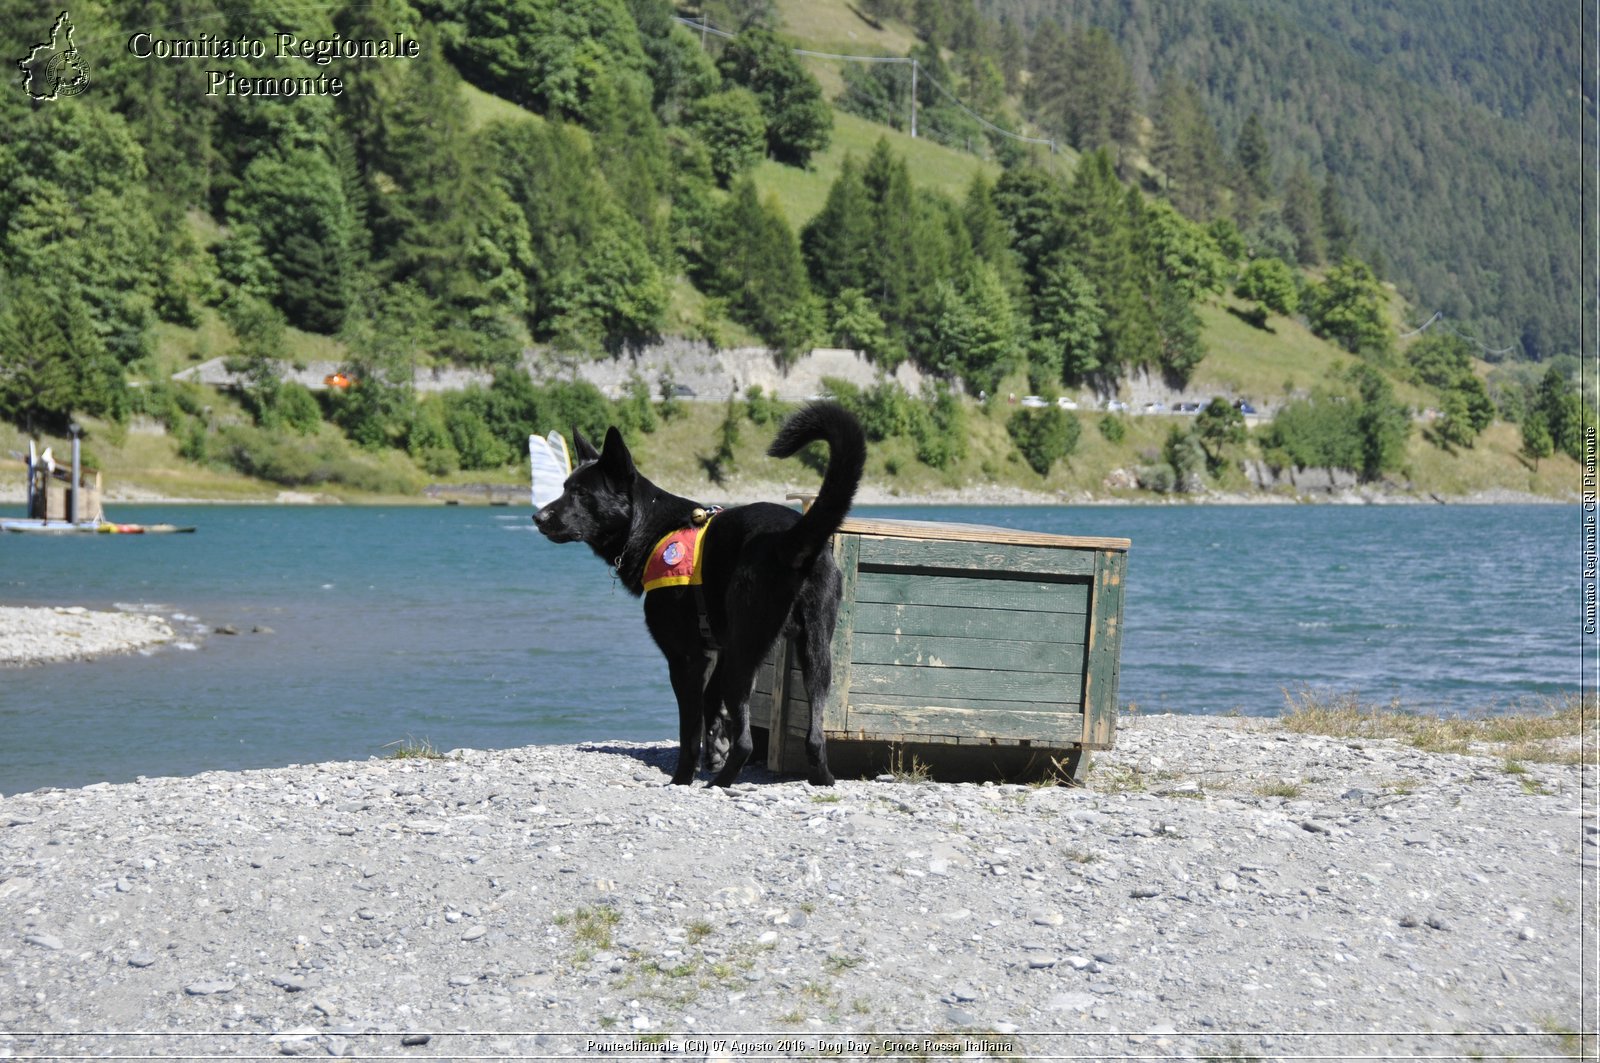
<point>585,449</point>
<point>615,458</point>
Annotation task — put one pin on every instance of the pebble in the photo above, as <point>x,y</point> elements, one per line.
<point>208,988</point>
<point>546,890</point>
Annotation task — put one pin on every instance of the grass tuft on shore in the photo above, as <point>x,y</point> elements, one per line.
<point>1564,730</point>
<point>414,749</point>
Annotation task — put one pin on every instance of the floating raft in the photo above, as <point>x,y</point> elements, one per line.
<point>28,525</point>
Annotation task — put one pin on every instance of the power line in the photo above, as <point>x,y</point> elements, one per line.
<point>1438,318</point>
<point>979,118</point>
<point>1437,314</point>
<point>704,26</point>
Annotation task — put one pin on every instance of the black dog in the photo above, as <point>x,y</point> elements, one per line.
<point>760,570</point>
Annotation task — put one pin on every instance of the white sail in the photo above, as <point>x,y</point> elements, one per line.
<point>550,466</point>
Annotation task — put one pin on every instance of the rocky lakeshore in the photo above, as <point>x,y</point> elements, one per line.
<point>1222,889</point>
<point>34,635</point>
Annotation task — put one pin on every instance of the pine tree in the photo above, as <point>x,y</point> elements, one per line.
<point>1034,206</point>
<point>989,234</point>
<point>893,237</point>
<point>1302,213</point>
<point>838,240</point>
<point>1186,148</point>
<point>55,366</point>
<point>1253,154</point>
<point>1337,228</point>
<point>755,263</point>
<point>1101,232</point>
<point>1067,322</point>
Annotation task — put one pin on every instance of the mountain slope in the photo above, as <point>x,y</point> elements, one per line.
<point>1451,130</point>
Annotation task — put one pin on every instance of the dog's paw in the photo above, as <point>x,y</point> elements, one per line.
<point>822,778</point>
<point>682,779</point>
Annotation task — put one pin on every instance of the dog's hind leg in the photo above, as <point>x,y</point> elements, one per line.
<point>716,721</point>
<point>688,684</point>
<point>813,640</point>
<point>735,690</point>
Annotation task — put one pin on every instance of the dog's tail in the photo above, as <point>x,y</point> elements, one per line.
<point>847,455</point>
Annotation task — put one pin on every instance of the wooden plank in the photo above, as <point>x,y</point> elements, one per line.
<point>975,533</point>
<point>761,703</point>
<point>1063,702</point>
<point>920,723</point>
<point>936,651</point>
<point>914,587</point>
<point>847,553</point>
<point>1046,746</point>
<point>777,761</point>
<point>949,685</point>
<point>1104,650</point>
<point>970,557</point>
<point>1001,624</point>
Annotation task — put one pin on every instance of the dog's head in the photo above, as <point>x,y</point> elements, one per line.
<point>596,503</point>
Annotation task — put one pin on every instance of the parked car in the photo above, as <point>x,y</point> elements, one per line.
<point>1244,407</point>
<point>1155,407</point>
<point>682,391</point>
<point>1116,406</point>
<point>1187,407</point>
<point>1066,403</point>
<point>1034,401</point>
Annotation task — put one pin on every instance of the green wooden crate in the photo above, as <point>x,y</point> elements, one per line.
<point>973,650</point>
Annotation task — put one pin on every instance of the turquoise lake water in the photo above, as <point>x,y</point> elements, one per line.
<point>462,627</point>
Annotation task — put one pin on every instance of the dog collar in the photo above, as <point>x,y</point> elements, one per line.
<point>675,559</point>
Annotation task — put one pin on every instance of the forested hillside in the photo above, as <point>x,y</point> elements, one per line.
<point>1449,130</point>
<point>399,186</point>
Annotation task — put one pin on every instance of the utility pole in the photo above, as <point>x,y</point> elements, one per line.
<point>913,97</point>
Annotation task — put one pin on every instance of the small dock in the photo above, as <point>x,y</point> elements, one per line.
<point>66,499</point>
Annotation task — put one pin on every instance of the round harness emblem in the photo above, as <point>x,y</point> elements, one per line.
<point>673,553</point>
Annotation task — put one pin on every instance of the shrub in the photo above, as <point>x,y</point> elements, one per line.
<point>731,126</point>
<point>297,462</point>
<point>298,409</point>
<point>1270,283</point>
<point>635,413</point>
<point>1043,436</point>
<point>941,430</point>
<point>760,407</point>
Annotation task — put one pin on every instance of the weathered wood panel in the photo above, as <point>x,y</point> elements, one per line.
<point>1104,650</point>
<point>895,722</point>
<point>847,552</point>
<point>938,651</point>
<point>881,619</point>
<point>960,685</point>
<point>965,558</point>
<point>978,533</point>
<point>920,587</point>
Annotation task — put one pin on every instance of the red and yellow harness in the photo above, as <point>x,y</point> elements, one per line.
<point>675,559</point>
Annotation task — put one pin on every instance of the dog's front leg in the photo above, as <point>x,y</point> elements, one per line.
<point>688,684</point>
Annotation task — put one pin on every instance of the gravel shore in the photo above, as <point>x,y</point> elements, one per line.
<point>1222,889</point>
<point>31,635</point>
